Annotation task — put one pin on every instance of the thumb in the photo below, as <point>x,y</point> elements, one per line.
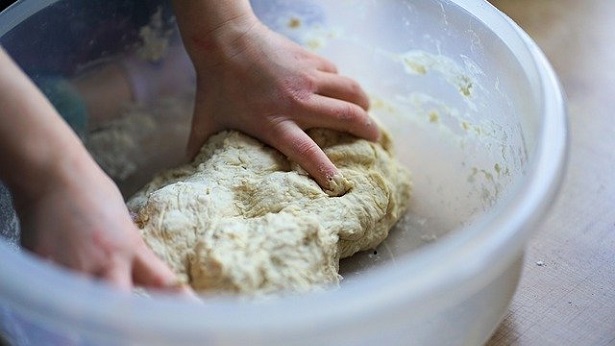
<point>149,271</point>
<point>202,126</point>
<point>118,274</point>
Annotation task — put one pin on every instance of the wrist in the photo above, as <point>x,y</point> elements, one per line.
<point>39,149</point>
<point>47,170</point>
<point>212,30</point>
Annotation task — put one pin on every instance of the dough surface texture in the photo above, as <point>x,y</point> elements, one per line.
<point>243,219</point>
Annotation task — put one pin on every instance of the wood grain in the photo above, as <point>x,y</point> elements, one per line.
<point>567,292</point>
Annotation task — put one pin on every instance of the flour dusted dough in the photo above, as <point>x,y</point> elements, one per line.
<point>243,219</point>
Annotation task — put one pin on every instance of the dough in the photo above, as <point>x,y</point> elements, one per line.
<point>242,219</point>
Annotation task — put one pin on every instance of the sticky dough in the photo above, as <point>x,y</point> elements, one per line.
<point>243,219</point>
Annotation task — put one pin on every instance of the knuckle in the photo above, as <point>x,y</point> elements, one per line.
<point>357,93</point>
<point>303,148</point>
<point>354,87</point>
<point>332,67</point>
<point>298,89</point>
<point>347,112</point>
<point>272,134</point>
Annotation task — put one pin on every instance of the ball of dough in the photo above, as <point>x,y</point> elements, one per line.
<point>243,219</point>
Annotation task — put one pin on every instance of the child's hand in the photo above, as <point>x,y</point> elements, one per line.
<point>80,221</point>
<point>254,80</point>
<point>71,213</point>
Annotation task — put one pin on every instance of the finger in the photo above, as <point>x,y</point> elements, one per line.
<point>195,141</point>
<point>117,273</point>
<point>150,271</point>
<point>201,129</point>
<point>322,64</point>
<point>326,112</point>
<point>342,88</point>
<point>293,142</point>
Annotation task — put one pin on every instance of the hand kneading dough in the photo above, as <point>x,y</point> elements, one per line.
<point>243,219</point>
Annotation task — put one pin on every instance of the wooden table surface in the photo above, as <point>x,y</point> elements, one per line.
<point>567,292</point>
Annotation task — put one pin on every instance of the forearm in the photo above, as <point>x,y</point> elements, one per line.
<point>35,143</point>
<point>210,27</point>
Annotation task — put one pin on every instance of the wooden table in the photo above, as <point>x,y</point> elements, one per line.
<point>567,292</point>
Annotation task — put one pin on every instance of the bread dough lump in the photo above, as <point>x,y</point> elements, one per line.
<point>243,219</point>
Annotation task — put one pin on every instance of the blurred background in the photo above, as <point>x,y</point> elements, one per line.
<point>5,3</point>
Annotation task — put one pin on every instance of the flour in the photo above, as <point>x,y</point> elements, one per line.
<point>155,38</point>
<point>242,219</point>
<point>132,143</point>
<point>114,146</point>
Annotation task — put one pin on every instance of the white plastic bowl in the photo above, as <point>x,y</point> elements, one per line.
<point>476,113</point>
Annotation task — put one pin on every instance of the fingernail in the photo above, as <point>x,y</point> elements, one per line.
<point>337,185</point>
<point>177,282</point>
<point>371,123</point>
<point>181,286</point>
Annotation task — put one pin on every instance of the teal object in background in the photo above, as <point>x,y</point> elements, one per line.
<point>66,100</point>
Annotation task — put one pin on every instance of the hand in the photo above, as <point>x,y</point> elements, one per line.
<point>71,213</point>
<point>260,83</point>
<point>80,221</point>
